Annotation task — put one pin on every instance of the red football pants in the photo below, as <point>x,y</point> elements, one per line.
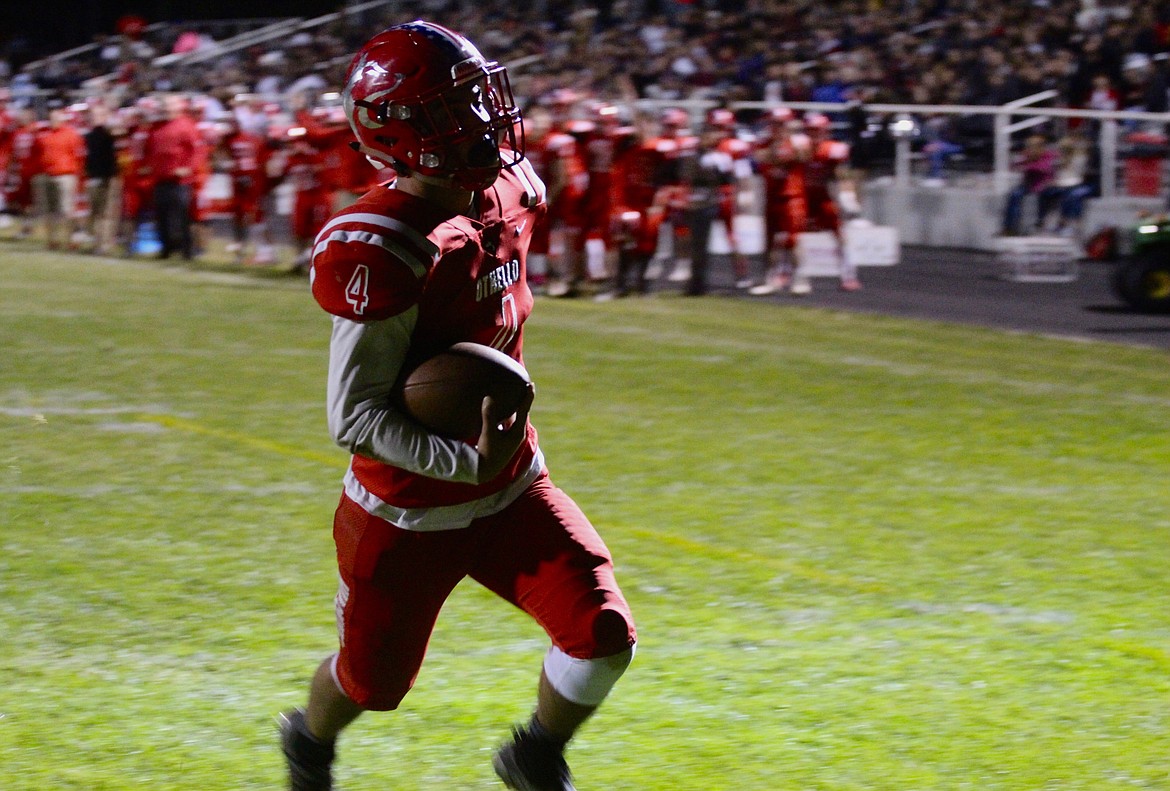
<point>540,553</point>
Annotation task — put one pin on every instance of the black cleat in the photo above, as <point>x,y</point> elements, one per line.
<point>309,760</point>
<point>528,763</point>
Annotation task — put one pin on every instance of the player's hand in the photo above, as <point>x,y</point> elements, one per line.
<point>502,434</point>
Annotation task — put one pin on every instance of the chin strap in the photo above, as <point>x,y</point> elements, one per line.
<point>373,157</point>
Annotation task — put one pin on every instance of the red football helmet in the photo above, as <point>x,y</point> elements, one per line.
<point>674,120</point>
<point>817,122</point>
<point>422,98</point>
<point>781,115</point>
<point>721,118</point>
<point>608,116</point>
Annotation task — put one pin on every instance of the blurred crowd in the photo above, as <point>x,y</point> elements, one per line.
<point>151,177</point>
<point>87,141</point>
<point>1099,53</point>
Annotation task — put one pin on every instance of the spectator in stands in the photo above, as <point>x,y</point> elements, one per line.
<point>1102,95</point>
<point>311,82</point>
<point>1144,86</point>
<point>1074,182</point>
<point>1037,165</point>
<point>275,74</point>
<point>103,185</point>
<point>170,151</point>
<point>60,156</point>
<point>1106,58</point>
<point>941,145</point>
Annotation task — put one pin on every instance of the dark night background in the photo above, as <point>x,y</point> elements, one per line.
<point>38,27</point>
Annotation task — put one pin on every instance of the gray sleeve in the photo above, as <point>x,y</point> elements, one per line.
<point>364,362</point>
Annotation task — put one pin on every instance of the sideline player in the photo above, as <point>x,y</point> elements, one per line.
<point>244,156</point>
<point>781,159</point>
<point>740,152</point>
<point>821,184</point>
<point>642,181</point>
<point>137,179</point>
<point>306,170</point>
<point>568,179</point>
<point>22,169</point>
<point>674,124</point>
<point>437,257</point>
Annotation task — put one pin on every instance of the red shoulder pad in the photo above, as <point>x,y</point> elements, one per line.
<point>368,267</point>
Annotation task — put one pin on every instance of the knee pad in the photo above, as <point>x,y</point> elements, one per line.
<point>585,682</point>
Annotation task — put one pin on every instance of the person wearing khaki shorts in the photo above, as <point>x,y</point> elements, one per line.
<point>61,152</point>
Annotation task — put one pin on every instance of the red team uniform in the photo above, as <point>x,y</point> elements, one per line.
<point>820,179</point>
<point>306,170</point>
<point>799,171</point>
<point>781,162</point>
<point>600,145</point>
<point>435,258</point>
<point>343,170</point>
<point>738,150</point>
<point>678,143</point>
<point>137,181</point>
<point>8,126</point>
<point>562,155</point>
<point>22,166</point>
<point>440,279</point>
<point>247,161</point>
<point>207,137</point>
<point>820,172</point>
<point>641,170</point>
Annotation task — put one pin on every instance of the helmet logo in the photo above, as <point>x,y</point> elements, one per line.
<point>376,69</point>
<point>360,110</point>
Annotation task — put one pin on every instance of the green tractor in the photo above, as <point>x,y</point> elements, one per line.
<point>1142,277</point>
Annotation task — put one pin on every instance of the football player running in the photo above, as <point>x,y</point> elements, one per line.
<point>435,257</point>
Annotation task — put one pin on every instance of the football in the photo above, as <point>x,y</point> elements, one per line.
<point>445,393</point>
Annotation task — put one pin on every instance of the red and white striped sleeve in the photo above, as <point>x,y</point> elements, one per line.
<point>368,266</point>
<point>368,271</point>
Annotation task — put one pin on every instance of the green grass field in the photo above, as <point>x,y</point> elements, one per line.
<point>864,553</point>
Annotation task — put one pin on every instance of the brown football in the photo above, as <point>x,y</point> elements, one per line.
<point>445,393</point>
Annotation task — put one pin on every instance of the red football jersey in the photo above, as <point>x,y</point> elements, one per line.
<point>821,169</point>
<point>391,255</point>
<point>8,127</point>
<point>782,164</point>
<point>641,170</point>
<point>562,150</point>
<point>248,153</point>
<point>23,142</point>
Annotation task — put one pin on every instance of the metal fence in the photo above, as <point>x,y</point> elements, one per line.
<point>1111,130</point>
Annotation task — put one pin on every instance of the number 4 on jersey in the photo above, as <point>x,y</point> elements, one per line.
<point>357,291</point>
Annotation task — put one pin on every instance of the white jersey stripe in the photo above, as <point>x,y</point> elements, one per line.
<point>534,188</point>
<point>405,254</point>
<point>529,191</point>
<point>537,181</point>
<point>500,335</point>
<point>426,245</point>
<point>445,517</point>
